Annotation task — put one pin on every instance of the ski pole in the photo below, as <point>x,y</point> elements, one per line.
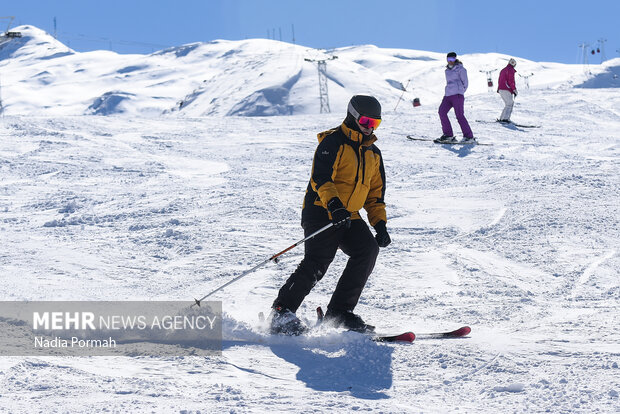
<point>274,257</point>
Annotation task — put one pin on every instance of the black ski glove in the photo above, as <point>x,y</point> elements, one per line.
<point>340,215</point>
<point>382,237</point>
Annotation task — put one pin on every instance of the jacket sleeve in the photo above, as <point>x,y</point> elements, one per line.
<point>511,81</point>
<point>500,79</point>
<point>464,79</point>
<point>324,169</point>
<point>375,204</point>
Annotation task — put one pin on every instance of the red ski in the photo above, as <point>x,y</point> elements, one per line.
<point>410,336</point>
<point>404,337</point>
<point>407,336</point>
<point>457,333</point>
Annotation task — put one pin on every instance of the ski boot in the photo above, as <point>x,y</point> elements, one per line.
<point>469,140</point>
<point>285,322</point>
<point>445,139</point>
<point>348,320</point>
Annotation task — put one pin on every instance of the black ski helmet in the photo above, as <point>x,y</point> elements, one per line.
<point>451,54</point>
<point>363,105</point>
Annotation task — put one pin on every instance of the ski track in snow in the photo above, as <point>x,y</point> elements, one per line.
<point>590,271</point>
<point>497,218</point>
<point>112,208</point>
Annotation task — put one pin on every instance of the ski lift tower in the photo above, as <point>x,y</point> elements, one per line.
<point>323,94</point>
<point>526,79</point>
<point>584,54</point>
<point>7,32</point>
<point>489,74</point>
<point>601,49</point>
<point>404,89</point>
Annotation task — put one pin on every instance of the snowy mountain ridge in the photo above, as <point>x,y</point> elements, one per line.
<point>256,77</point>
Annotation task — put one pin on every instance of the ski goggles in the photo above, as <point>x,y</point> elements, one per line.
<point>365,121</point>
<point>368,122</point>
<point>451,59</point>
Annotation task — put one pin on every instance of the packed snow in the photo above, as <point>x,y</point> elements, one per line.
<point>111,189</point>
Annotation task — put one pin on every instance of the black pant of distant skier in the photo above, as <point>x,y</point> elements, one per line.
<point>347,175</point>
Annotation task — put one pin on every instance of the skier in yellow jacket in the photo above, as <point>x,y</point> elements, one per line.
<point>347,175</point>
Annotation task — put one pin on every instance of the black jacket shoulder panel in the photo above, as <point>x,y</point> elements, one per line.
<point>333,136</point>
<point>325,156</point>
<point>375,149</point>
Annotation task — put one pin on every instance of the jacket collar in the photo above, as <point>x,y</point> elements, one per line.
<point>357,136</point>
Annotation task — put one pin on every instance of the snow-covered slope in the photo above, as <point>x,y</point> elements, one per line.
<point>255,77</point>
<point>519,240</point>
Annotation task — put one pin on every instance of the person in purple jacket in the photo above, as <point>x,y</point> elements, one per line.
<point>507,89</point>
<point>456,78</point>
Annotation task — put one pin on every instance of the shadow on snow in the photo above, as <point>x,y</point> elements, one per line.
<point>462,151</point>
<point>364,369</point>
<point>337,361</point>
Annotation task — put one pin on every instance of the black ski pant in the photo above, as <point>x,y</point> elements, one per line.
<point>357,242</point>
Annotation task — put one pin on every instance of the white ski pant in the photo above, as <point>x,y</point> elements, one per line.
<point>509,101</point>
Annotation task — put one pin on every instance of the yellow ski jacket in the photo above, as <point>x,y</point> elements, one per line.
<point>347,165</point>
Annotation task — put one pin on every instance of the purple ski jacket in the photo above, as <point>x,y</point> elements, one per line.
<point>456,79</point>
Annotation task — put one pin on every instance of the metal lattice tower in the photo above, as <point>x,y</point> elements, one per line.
<point>601,42</point>
<point>489,74</point>
<point>404,88</point>
<point>526,79</point>
<point>323,92</point>
<point>584,56</point>
<point>8,34</point>
<point>584,52</point>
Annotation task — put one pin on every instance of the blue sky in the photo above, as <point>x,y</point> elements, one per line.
<point>538,30</point>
